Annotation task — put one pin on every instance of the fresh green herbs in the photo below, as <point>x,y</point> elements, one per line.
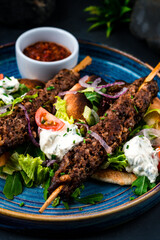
<point>21,91</point>
<point>90,199</point>
<point>38,87</point>
<point>141,185</point>
<point>16,101</point>
<point>136,109</point>
<point>50,88</point>
<point>116,161</point>
<point>110,14</point>
<point>21,204</point>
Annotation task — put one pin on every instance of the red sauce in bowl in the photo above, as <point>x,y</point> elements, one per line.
<point>46,51</point>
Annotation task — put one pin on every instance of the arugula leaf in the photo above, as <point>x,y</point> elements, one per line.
<point>142,185</point>
<point>77,192</point>
<point>46,186</point>
<point>13,186</point>
<point>66,205</point>
<point>48,182</point>
<point>90,199</point>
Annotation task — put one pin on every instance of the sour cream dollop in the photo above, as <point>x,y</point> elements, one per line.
<point>59,142</point>
<point>8,85</point>
<point>141,157</point>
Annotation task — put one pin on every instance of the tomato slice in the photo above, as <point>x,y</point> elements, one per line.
<point>1,76</point>
<point>46,120</point>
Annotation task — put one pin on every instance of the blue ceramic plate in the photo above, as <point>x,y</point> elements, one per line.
<point>116,207</point>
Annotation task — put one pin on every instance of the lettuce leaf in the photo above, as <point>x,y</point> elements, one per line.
<point>116,161</point>
<point>61,113</point>
<point>12,165</point>
<point>33,168</point>
<point>30,168</point>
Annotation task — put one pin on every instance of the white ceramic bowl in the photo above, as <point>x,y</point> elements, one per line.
<point>33,69</point>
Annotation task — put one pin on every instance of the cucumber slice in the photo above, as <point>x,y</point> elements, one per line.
<point>90,116</point>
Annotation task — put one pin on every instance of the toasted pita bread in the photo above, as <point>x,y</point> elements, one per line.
<point>113,176</point>
<point>75,103</point>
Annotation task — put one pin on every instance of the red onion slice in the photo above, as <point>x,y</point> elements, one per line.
<point>97,88</point>
<point>101,141</point>
<point>29,126</point>
<point>110,85</point>
<point>83,83</point>
<point>107,148</point>
<point>66,92</point>
<point>96,82</point>
<point>124,90</point>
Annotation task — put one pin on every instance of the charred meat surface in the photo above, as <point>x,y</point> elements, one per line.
<point>82,161</point>
<point>13,128</point>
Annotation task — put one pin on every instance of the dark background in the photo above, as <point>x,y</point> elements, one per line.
<point>69,15</point>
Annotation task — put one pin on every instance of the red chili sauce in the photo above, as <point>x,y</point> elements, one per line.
<point>46,51</point>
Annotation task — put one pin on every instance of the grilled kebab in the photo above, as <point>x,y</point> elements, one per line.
<point>14,128</point>
<point>82,161</point>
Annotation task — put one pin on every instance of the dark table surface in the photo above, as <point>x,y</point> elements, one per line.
<point>70,16</point>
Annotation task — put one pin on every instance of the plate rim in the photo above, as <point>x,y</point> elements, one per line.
<point>85,216</point>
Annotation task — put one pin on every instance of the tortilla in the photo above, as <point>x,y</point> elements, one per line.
<point>113,176</point>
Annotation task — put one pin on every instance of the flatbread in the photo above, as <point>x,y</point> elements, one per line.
<point>113,176</point>
<point>75,103</point>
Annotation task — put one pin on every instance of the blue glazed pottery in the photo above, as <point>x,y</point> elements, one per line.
<point>116,206</point>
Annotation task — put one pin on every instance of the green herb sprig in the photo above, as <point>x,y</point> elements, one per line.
<point>110,14</point>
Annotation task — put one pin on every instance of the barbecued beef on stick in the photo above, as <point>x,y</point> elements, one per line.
<point>82,161</point>
<point>13,128</point>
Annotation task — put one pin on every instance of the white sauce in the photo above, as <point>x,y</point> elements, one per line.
<point>59,142</point>
<point>7,86</point>
<point>142,158</point>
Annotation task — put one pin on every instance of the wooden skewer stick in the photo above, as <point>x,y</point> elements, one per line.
<point>151,75</point>
<point>83,64</point>
<point>51,198</point>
